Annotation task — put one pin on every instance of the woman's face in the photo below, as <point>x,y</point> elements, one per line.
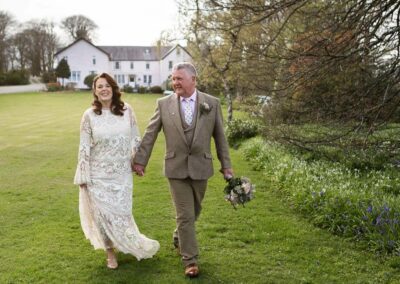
<point>103,91</point>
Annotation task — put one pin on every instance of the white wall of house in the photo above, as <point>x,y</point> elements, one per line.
<point>176,55</point>
<point>146,73</point>
<point>83,59</point>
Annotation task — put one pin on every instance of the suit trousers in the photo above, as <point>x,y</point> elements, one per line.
<point>187,195</point>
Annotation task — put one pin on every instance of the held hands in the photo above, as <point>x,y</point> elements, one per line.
<point>138,169</point>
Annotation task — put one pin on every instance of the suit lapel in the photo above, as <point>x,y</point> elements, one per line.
<point>173,107</point>
<point>200,100</point>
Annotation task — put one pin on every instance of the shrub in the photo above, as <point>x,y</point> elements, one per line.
<point>63,71</point>
<point>15,77</point>
<point>142,90</point>
<point>127,89</point>
<point>2,79</point>
<point>156,90</point>
<point>238,130</point>
<point>346,202</point>
<point>88,81</point>
<point>49,76</point>
<point>53,87</point>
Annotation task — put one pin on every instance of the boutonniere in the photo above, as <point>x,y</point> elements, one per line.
<point>205,108</point>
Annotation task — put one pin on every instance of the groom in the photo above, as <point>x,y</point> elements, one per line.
<point>189,119</point>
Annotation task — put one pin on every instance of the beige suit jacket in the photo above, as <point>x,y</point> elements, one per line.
<point>183,160</point>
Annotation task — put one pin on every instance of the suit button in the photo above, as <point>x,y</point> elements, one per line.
<point>190,153</point>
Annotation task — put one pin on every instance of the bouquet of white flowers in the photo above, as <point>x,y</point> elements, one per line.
<point>239,191</point>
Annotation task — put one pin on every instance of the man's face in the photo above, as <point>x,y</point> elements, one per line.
<point>183,83</point>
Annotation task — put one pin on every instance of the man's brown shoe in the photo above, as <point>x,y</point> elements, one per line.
<point>192,270</point>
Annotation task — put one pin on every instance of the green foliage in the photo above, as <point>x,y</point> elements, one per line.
<point>142,90</point>
<point>14,77</point>
<point>364,206</point>
<point>156,90</point>
<point>88,81</point>
<point>49,76</point>
<point>238,130</point>
<point>62,70</point>
<point>378,150</point>
<point>127,89</point>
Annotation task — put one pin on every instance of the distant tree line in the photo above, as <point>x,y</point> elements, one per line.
<point>318,61</point>
<point>31,46</point>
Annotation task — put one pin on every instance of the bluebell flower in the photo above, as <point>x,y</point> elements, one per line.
<point>378,220</point>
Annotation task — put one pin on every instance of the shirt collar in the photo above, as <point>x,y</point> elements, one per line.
<point>191,98</point>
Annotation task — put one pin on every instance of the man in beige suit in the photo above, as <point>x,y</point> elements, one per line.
<point>189,119</point>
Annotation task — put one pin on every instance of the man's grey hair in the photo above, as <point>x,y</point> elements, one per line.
<point>189,67</point>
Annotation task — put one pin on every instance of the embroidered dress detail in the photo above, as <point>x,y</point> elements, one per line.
<point>107,144</point>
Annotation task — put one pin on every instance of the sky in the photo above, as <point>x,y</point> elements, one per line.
<point>120,22</point>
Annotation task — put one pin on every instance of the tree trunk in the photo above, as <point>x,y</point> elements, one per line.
<point>228,97</point>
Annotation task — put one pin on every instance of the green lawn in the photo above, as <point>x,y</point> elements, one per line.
<point>41,240</point>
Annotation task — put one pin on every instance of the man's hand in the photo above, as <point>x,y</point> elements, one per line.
<point>138,169</point>
<point>228,173</point>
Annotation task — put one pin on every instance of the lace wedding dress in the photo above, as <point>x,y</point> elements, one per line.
<point>107,142</point>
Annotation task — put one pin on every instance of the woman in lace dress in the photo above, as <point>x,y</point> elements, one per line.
<point>109,137</point>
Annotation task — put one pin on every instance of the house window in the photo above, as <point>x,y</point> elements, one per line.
<point>117,66</point>
<point>131,65</point>
<point>170,63</point>
<point>149,79</point>
<point>147,66</point>
<point>94,60</point>
<point>144,78</point>
<point>66,58</point>
<point>178,50</point>
<point>92,72</point>
<point>120,78</point>
<point>75,76</point>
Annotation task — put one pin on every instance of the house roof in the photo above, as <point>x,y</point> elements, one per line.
<point>136,53</point>
<point>68,46</point>
<point>131,53</point>
<point>172,48</point>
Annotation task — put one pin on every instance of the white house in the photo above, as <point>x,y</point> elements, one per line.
<point>133,65</point>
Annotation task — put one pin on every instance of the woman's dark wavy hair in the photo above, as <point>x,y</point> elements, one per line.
<point>117,105</point>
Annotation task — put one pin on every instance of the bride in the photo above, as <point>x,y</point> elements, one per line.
<point>109,137</point>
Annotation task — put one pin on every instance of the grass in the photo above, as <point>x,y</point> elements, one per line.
<point>42,242</point>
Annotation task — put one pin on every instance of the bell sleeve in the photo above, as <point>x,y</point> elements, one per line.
<point>82,174</point>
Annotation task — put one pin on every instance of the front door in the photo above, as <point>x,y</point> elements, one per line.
<point>132,80</point>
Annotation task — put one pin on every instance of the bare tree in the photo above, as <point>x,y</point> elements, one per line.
<point>215,50</point>
<point>6,22</point>
<point>79,26</point>
<point>324,61</point>
<point>35,46</point>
